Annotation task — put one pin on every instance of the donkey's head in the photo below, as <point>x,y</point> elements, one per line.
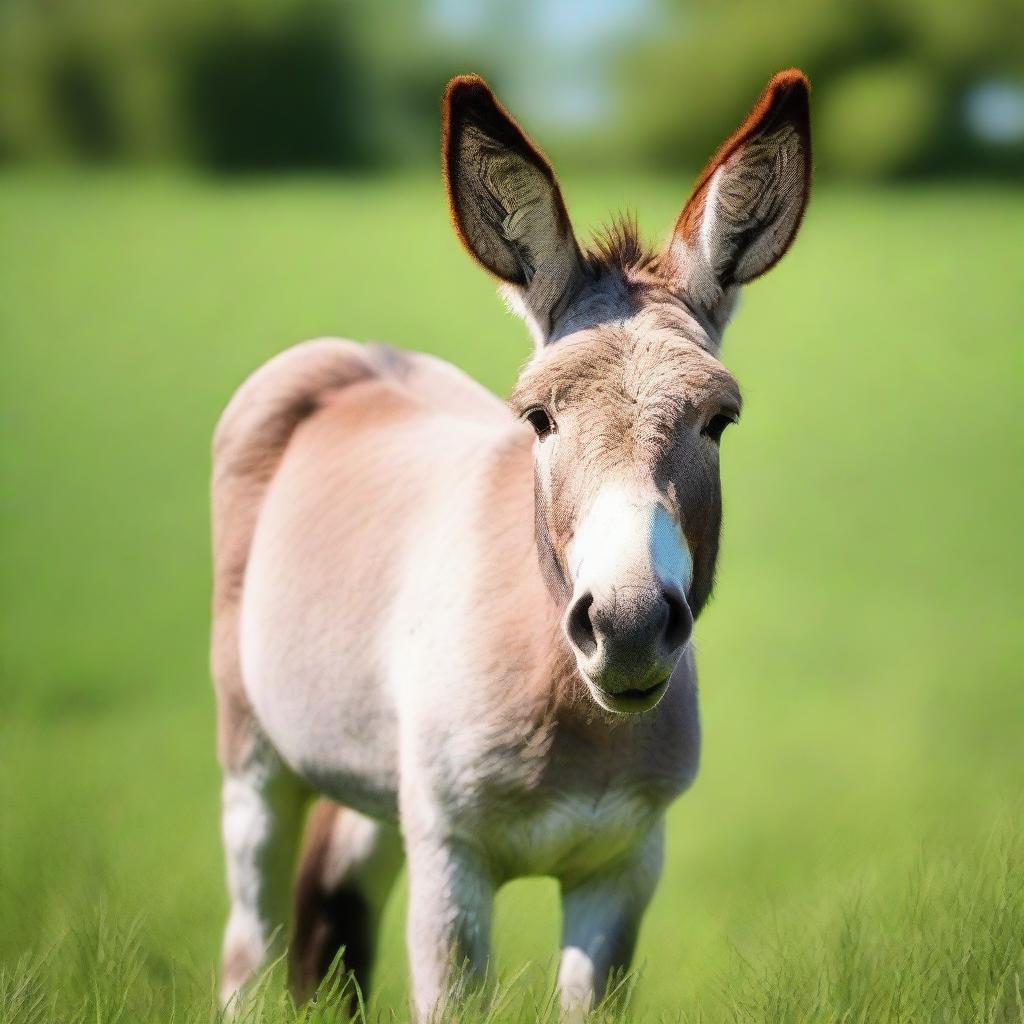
<point>625,391</point>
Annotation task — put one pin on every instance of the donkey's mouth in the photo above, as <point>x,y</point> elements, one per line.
<point>633,701</point>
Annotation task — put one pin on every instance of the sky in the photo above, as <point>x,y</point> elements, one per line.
<point>565,44</point>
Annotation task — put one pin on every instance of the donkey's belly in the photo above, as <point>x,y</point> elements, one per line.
<point>325,716</point>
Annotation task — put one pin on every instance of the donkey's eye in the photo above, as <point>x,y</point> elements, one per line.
<point>541,422</point>
<point>715,427</point>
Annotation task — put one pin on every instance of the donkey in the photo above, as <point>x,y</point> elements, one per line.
<point>466,623</point>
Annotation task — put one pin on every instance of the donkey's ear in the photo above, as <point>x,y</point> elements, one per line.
<point>505,203</point>
<point>748,202</point>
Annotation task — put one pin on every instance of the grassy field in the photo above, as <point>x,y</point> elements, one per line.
<point>853,849</point>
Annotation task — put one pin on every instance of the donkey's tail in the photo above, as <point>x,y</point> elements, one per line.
<point>346,870</point>
<point>248,443</point>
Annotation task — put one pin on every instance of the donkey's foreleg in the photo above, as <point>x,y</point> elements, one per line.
<point>262,807</point>
<point>448,928</point>
<point>600,921</point>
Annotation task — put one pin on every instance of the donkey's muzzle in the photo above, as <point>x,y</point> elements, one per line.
<point>628,640</point>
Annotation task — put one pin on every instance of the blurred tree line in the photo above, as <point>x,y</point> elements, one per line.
<point>238,85</point>
<point>230,85</point>
<point>893,80</point>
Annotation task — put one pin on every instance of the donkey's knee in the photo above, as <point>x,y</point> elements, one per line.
<point>347,869</point>
<point>262,805</point>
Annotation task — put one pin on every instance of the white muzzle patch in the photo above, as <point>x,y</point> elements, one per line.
<point>626,536</point>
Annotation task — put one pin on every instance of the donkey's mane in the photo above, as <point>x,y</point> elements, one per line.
<point>618,246</point>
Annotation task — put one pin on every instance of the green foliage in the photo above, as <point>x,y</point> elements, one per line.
<point>87,80</point>
<point>853,842</point>
<point>878,121</point>
<point>266,93</point>
<point>705,72</point>
<point>264,84</point>
<point>236,85</point>
<point>889,79</point>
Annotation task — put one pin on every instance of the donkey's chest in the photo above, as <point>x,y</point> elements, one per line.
<point>567,833</point>
<point>562,809</point>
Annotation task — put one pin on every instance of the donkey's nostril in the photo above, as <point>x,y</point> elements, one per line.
<point>678,622</point>
<point>625,637</point>
<point>579,626</point>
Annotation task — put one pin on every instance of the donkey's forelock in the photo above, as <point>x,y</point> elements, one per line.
<point>619,248</point>
<point>623,276</point>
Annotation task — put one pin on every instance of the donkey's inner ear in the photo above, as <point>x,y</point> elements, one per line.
<point>505,201</point>
<point>748,202</point>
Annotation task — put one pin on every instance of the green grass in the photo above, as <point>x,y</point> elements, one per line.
<point>852,850</point>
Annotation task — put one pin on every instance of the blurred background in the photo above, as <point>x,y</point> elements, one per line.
<point>915,88</point>
<point>187,187</point>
